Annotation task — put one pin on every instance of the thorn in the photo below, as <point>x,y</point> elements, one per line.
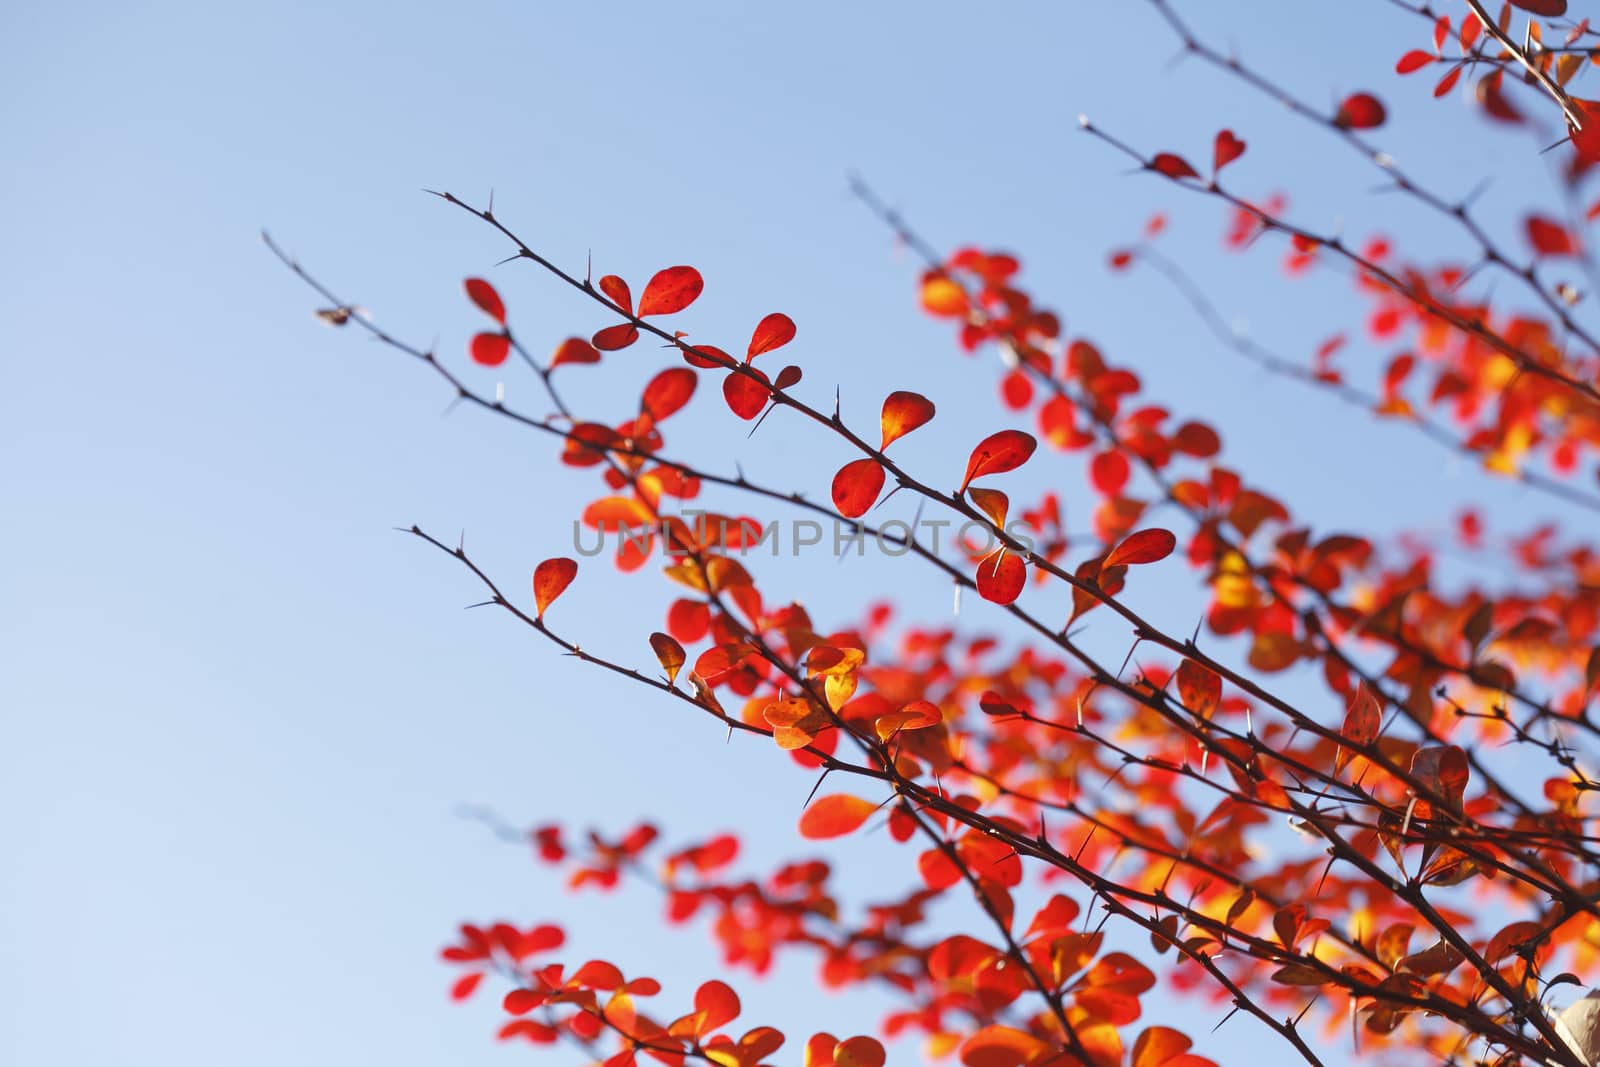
<point>1228,1016</point>
<point>809,796</point>
<point>770,409</point>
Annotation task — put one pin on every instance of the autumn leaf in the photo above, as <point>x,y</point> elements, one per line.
<point>835,816</point>
<point>1360,111</point>
<point>1362,721</point>
<point>999,453</point>
<point>1227,149</point>
<point>745,392</point>
<point>670,653</point>
<point>1001,577</point>
<point>574,350</point>
<point>488,300</point>
<point>1173,166</point>
<point>490,349</point>
<point>670,290</point>
<point>1146,546</point>
<point>773,331</point>
<point>902,413</point>
<point>550,579</point>
<point>856,487</point>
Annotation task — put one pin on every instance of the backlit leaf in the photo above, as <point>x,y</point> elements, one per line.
<point>1173,166</point>
<point>835,816</point>
<point>550,579</point>
<point>1145,546</point>
<point>902,413</point>
<point>672,289</point>
<point>670,653</point>
<point>1001,577</point>
<point>773,331</point>
<point>1226,149</point>
<point>1360,111</point>
<point>999,453</point>
<point>856,487</point>
<point>745,392</point>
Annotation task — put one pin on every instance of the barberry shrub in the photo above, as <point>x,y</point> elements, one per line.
<point>1392,857</point>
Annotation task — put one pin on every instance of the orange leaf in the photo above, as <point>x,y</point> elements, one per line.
<point>998,453</point>
<point>835,816</point>
<point>672,289</point>
<point>993,503</point>
<point>1199,688</point>
<point>550,579</point>
<point>1145,546</point>
<point>670,653</point>
<point>856,487</point>
<point>773,331</point>
<point>943,297</point>
<point>1159,1045</point>
<point>902,413</point>
<point>490,349</point>
<point>483,294</point>
<point>1001,1046</point>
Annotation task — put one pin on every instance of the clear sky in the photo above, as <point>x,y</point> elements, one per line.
<point>240,712</point>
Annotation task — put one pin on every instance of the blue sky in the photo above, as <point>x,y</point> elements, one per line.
<point>240,711</point>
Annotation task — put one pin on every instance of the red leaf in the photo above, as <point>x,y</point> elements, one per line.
<point>483,294</point>
<point>1586,139</point>
<point>550,579</point>
<point>1199,688</point>
<point>1001,577</point>
<point>1360,111</point>
<point>672,289</point>
<point>1173,166</point>
<point>1227,149</point>
<point>1108,472</point>
<point>746,397</point>
<point>612,338</point>
<point>618,292</point>
<point>490,349</point>
<point>1550,9</point>
<point>1414,60</point>
<point>774,331</point>
<point>998,453</point>
<point>1146,546</point>
<point>835,816</point>
<point>856,487</point>
<point>574,350</point>
<point>466,985</point>
<point>668,392</point>
<point>859,1052</point>
<point>788,378</point>
<point>1550,238</point>
<point>902,413</point>
<point>1362,721</point>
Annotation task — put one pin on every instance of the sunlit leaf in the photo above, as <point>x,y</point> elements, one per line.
<point>550,579</point>
<point>773,331</point>
<point>490,349</point>
<point>1226,149</point>
<point>1145,546</point>
<point>999,453</point>
<point>670,653</point>
<point>1001,577</point>
<point>670,290</point>
<point>902,413</point>
<point>856,487</point>
<point>835,816</point>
